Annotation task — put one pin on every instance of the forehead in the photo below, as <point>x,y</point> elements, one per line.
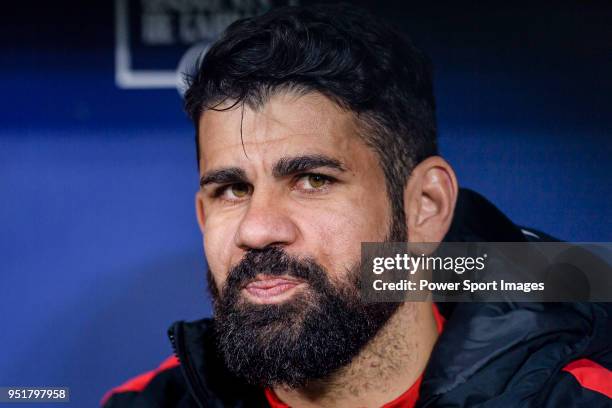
<point>286,124</point>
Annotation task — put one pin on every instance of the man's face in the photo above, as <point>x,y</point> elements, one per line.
<point>277,200</point>
<point>283,212</point>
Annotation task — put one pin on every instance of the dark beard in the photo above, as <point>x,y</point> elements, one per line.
<point>308,337</point>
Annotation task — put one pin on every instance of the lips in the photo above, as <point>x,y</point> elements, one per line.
<point>271,288</point>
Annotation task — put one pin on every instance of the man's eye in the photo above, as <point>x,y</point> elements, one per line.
<point>313,182</point>
<point>235,191</point>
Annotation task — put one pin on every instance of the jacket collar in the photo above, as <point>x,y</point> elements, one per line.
<point>502,353</point>
<point>506,350</point>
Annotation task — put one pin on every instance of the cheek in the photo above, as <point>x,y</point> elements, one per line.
<point>218,247</point>
<point>338,230</point>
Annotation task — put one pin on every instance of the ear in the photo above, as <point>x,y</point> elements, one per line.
<point>429,200</point>
<point>199,208</point>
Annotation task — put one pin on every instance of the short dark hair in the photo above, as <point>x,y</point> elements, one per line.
<point>359,62</point>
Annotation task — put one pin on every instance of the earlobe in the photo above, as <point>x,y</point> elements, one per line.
<point>199,208</point>
<point>429,199</point>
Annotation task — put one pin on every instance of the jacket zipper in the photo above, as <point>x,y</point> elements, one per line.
<point>198,392</point>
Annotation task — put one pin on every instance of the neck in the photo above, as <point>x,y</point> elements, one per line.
<point>386,367</point>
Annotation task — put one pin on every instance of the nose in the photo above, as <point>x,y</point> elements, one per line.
<point>265,223</point>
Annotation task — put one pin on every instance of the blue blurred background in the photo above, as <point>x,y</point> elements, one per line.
<point>100,248</point>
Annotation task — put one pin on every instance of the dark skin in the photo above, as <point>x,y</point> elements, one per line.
<point>302,178</point>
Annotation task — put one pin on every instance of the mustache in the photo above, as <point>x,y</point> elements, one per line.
<point>272,261</point>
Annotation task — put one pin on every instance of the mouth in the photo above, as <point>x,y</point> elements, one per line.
<point>266,289</point>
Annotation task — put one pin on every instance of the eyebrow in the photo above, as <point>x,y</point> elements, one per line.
<point>287,166</point>
<point>226,175</point>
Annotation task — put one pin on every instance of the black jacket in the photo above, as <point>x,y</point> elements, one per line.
<point>489,354</point>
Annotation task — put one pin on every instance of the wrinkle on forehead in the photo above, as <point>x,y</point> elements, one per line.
<point>287,120</point>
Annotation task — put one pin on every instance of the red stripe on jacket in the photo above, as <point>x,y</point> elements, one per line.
<point>591,375</point>
<point>140,382</point>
